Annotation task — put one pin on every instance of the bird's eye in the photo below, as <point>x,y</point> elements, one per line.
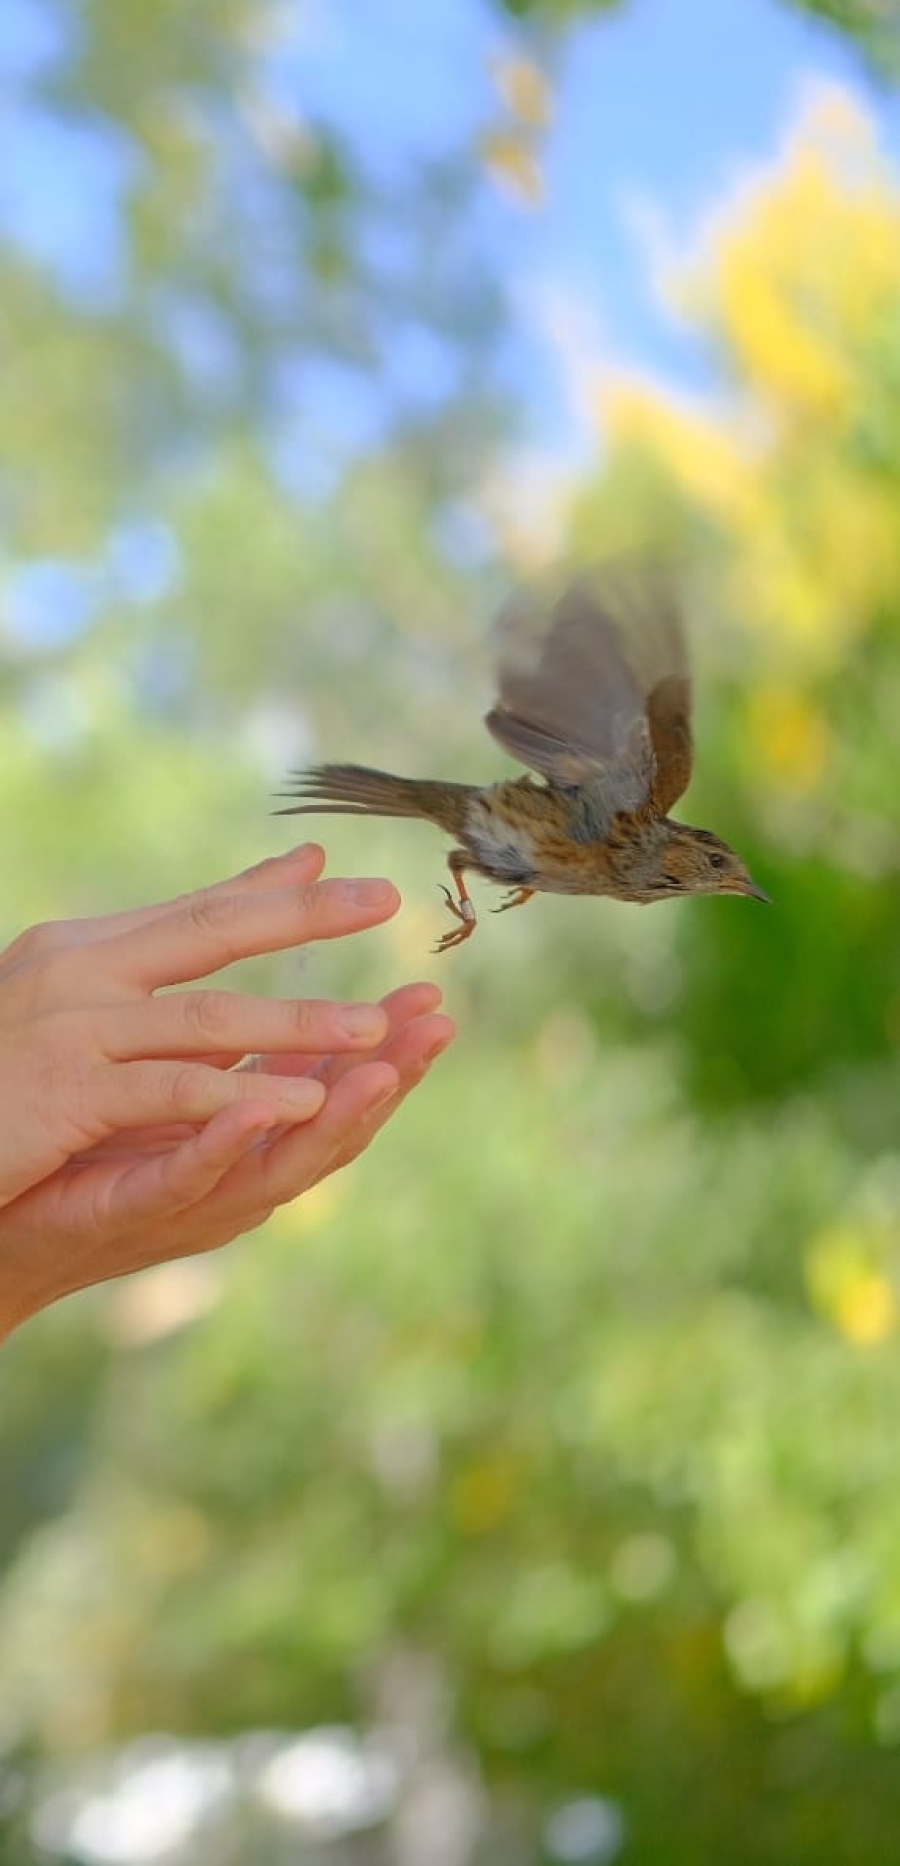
<point>716,860</point>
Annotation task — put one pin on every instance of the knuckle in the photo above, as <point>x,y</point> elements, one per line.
<point>209,1014</point>
<point>57,1068</point>
<point>309,896</point>
<point>48,974</point>
<point>306,1018</point>
<point>214,915</point>
<point>188,1089</point>
<point>36,942</point>
<point>67,1038</point>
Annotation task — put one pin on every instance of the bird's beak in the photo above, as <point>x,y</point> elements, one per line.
<point>750,888</point>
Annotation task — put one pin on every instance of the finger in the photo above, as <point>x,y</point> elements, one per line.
<point>280,1171</point>
<point>300,866</point>
<point>144,1094</point>
<point>411,1053</point>
<point>399,1007</point>
<point>208,931</point>
<point>352,1116</point>
<point>134,1142</point>
<point>213,1024</point>
<point>163,1185</point>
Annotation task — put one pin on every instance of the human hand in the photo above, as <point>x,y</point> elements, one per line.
<point>128,1139</point>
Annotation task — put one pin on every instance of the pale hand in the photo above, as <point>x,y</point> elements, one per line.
<point>126,1136</point>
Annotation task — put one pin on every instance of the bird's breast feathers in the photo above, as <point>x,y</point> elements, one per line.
<point>522,834</point>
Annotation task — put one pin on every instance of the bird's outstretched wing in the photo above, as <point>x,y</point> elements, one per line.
<point>594,687</point>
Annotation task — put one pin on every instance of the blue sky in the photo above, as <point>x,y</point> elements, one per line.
<point>660,107</point>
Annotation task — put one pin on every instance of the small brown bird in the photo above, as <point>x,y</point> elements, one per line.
<point>594,695</point>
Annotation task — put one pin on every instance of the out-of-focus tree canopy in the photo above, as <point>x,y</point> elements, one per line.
<point>584,1384</point>
<point>872,25</point>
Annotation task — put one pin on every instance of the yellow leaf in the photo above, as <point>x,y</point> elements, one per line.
<point>525,91</point>
<point>513,164</point>
<point>702,456</point>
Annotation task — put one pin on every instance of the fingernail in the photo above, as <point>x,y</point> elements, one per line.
<point>375,893</point>
<point>304,1095</point>
<point>362,1021</point>
<point>436,1050</point>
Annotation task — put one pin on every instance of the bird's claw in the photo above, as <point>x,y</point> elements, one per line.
<point>453,938</point>
<point>515,898</point>
<point>464,912</point>
<point>454,909</point>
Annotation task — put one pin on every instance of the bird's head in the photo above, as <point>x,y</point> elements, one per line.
<point>694,861</point>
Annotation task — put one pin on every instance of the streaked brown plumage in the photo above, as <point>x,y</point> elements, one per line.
<point>595,696</point>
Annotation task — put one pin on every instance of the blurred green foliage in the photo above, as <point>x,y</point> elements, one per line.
<point>585,1383</point>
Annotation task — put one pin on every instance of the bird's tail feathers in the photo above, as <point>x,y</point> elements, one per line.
<point>356,790</point>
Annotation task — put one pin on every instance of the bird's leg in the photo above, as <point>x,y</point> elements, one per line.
<point>462,909</point>
<point>515,898</point>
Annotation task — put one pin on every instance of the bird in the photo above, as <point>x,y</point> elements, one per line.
<point>594,699</point>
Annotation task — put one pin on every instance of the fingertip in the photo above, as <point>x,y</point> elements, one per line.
<point>363,1024</point>
<point>301,1096</point>
<point>406,1002</point>
<point>375,893</point>
<point>374,1084</point>
<point>428,995</point>
<point>233,1132</point>
<point>308,857</point>
<point>338,905</point>
<point>385,1084</point>
<point>425,1043</point>
<point>442,1030</point>
<point>310,852</point>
